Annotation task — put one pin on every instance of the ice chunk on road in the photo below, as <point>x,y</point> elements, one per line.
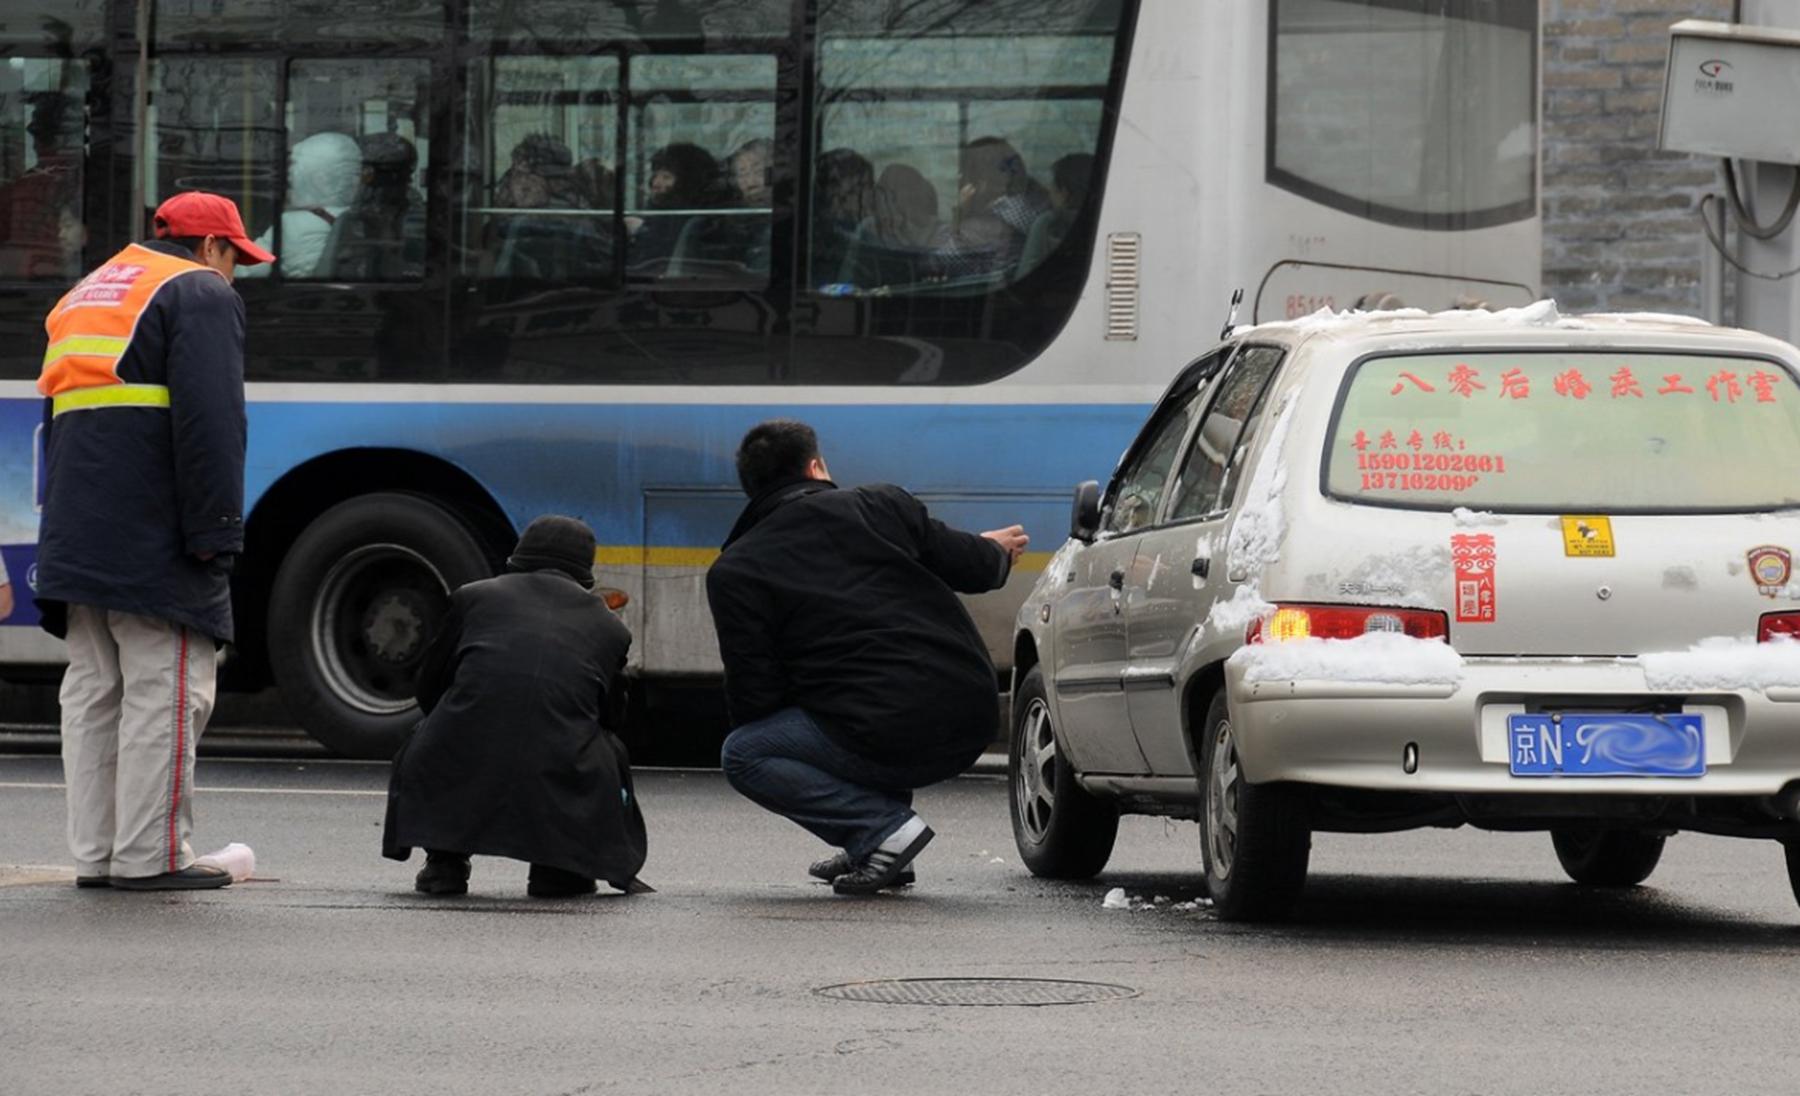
<point>1116,899</point>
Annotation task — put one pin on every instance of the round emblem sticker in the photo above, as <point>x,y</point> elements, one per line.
<point>1770,567</point>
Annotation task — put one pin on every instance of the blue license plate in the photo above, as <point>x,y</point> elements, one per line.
<point>1606,744</point>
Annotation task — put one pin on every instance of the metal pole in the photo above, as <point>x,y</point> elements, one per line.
<point>140,117</point>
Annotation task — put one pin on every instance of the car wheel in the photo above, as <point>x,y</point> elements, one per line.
<point>1254,838</point>
<point>1062,831</point>
<point>354,605</point>
<point>1792,848</point>
<point>1607,858</point>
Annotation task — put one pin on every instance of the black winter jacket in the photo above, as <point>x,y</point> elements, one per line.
<point>843,603</point>
<point>135,494</point>
<point>514,756</point>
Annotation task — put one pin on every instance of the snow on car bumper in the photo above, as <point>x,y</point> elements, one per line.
<point>1355,734</point>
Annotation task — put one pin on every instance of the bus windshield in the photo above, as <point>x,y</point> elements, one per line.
<point>1568,432</point>
<point>1407,114</point>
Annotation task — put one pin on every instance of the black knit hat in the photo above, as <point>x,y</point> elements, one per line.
<point>557,543</point>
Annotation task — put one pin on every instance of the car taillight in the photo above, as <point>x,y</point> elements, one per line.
<point>1778,624</point>
<point>1290,622</point>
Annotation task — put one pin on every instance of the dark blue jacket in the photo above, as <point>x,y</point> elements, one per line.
<point>135,495</point>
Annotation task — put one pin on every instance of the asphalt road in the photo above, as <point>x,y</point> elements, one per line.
<point>1424,963</point>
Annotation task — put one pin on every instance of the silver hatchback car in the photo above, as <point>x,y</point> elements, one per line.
<point>1370,572</point>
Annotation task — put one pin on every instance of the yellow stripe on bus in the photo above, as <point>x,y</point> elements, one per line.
<point>637,555</point>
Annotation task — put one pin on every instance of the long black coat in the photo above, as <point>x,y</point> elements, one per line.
<point>135,494</point>
<point>514,756</point>
<point>843,604</point>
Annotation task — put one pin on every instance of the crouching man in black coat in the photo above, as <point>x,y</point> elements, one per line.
<point>853,673</point>
<point>514,756</point>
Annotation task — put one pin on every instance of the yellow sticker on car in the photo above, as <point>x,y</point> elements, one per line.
<point>1587,535</point>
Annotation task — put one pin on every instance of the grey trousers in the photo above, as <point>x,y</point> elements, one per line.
<point>135,699</point>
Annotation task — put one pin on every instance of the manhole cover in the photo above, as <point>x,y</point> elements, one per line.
<point>977,991</point>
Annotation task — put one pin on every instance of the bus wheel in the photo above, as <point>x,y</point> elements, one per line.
<point>355,603</point>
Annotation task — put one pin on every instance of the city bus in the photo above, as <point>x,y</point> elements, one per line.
<point>558,255</point>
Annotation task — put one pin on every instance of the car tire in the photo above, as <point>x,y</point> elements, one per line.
<point>1607,858</point>
<point>1792,849</point>
<point>1254,838</point>
<point>1062,830</point>
<point>355,603</point>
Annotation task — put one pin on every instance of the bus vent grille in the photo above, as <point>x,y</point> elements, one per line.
<point>1124,250</point>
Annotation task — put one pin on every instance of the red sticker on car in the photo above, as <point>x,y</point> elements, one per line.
<point>1473,555</point>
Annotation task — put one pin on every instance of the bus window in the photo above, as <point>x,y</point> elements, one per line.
<point>354,208</point>
<point>284,24</point>
<point>557,26</point>
<point>942,142</point>
<point>540,190</point>
<point>214,126</point>
<point>42,131</point>
<point>693,121</point>
<point>1422,117</point>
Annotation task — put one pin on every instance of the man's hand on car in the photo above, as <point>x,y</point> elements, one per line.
<point>1012,538</point>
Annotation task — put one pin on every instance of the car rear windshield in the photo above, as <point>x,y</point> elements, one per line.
<point>1568,432</point>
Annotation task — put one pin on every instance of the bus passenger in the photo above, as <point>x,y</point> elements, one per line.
<point>843,212</point>
<point>996,205</point>
<point>324,172</point>
<point>515,756</point>
<point>381,237</point>
<point>906,208</point>
<point>752,173</point>
<point>143,516</point>
<point>852,672</point>
<point>40,227</point>
<point>683,178</point>
<point>542,176</point>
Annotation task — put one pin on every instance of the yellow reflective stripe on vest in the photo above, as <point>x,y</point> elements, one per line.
<point>110,395</point>
<point>96,346</point>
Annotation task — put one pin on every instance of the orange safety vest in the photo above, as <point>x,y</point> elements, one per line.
<point>91,328</point>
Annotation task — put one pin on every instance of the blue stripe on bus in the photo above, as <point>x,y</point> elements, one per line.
<point>601,462</point>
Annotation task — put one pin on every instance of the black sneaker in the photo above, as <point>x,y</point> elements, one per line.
<point>86,882</point>
<point>831,867</point>
<point>548,882</point>
<point>192,877</point>
<point>443,874</point>
<point>883,867</point>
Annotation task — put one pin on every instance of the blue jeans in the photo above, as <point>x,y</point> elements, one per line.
<point>785,763</point>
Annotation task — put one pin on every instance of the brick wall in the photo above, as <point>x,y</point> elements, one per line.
<point>1621,231</point>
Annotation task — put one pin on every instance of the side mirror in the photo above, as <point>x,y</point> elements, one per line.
<point>1084,516</point>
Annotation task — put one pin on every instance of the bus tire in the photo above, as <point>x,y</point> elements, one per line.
<point>355,602</point>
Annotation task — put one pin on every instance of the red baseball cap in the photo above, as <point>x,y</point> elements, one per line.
<point>197,213</point>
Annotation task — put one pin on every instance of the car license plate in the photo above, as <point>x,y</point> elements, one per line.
<point>1606,744</point>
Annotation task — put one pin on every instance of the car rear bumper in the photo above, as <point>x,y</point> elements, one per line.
<point>1358,734</point>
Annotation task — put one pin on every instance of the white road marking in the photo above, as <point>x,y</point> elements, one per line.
<point>222,789</point>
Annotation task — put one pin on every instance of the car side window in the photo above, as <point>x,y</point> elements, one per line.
<point>1207,474</point>
<point>1137,490</point>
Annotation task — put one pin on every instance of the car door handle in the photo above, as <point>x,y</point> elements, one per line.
<point>1201,567</point>
<point>1117,581</point>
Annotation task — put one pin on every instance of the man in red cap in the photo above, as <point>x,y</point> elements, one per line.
<point>142,522</point>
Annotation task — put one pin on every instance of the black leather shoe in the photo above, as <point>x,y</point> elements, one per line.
<point>548,882</point>
<point>86,882</point>
<point>831,867</point>
<point>882,869</point>
<point>443,873</point>
<point>192,877</point>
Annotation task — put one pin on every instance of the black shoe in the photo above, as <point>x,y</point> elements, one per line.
<point>192,877</point>
<point>443,873</point>
<point>548,882</point>
<point>833,866</point>
<point>883,867</point>
<point>87,881</point>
